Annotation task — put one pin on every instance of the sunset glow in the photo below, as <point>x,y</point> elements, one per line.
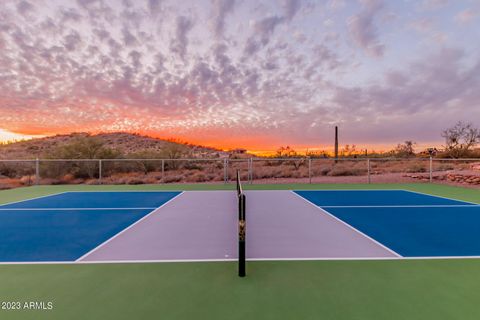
<point>241,74</point>
<point>7,136</point>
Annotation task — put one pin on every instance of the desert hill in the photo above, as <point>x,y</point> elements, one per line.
<point>125,143</point>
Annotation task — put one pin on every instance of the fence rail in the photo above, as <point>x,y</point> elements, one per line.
<point>254,169</point>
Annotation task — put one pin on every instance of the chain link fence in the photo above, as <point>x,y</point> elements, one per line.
<point>15,173</point>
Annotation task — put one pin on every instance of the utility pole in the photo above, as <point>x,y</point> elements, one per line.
<point>336,143</point>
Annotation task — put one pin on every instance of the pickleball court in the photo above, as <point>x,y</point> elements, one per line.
<point>156,226</point>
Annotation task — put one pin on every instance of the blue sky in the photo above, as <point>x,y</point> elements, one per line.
<point>254,74</point>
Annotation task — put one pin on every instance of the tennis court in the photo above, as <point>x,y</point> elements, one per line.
<point>203,226</point>
<point>313,251</point>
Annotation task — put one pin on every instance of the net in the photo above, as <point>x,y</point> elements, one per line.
<point>241,228</point>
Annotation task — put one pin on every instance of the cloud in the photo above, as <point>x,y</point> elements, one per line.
<point>434,4</point>
<point>280,80</point>
<point>72,41</point>
<point>25,7</point>
<point>465,16</point>
<point>363,30</point>
<point>262,33</point>
<point>291,7</point>
<point>429,92</point>
<point>128,38</point>
<point>264,29</point>
<point>154,7</point>
<point>179,44</point>
<point>336,4</point>
<point>221,8</point>
<point>427,28</point>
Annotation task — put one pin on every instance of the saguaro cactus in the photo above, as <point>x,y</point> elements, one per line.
<point>336,143</point>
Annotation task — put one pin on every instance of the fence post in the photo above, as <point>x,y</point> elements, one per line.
<point>368,171</point>
<point>309,170</point>
<point>431,170</point>
<point>37,171</point>
<point>250,174</point>
<point>225,170</point>
<point>251,170</point>
<point>163,170</point>
<point>100,171</point>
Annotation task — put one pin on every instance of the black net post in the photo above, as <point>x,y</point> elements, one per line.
<point>241,235</point>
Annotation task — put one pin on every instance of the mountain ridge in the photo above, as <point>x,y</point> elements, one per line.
<point>125,143</point>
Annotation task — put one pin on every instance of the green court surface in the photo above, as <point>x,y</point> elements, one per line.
<point>464,194</point>
<point>412,289</point>
<point>377,289</point>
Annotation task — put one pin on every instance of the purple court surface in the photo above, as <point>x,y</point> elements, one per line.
<point>202,225</point>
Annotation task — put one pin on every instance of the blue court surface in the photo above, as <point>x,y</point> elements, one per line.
<point>65,226</point>
<point>409,223</point>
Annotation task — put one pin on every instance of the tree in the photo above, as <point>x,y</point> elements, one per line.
<point>460,139</point>
<point>348,150</point>
<point>144,160</point>
<point>285,152</point>
<point>406,149</point>
<point>84,148</point>
<point>174,150</point>
<point>79,148</point>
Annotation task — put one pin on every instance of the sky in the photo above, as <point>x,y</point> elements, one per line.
<point>240,73</point>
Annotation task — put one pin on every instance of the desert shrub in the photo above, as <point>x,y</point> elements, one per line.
<point>266,173</point>
<point>7,170</point>
<point>171,178</point>
<point>323,171</point>
<point>296,174</point>
<point>273,163</point>
<point>15,170</point>
<point>147,166</point>
<point>80,169</point>
<point>392,166</point>
<point>27,180</point>
<point>404,150</point>
<point>346,171</point>
<point>192,165</point>
<point>51,181</point>
<point>297,163</point>
<point>84,148</point>
<point>79,148</point>
<point>135,181</point>
<point>68,178</point>
<point>150,180</point>
<point>156,175</point>
<point>444,167</point>
<point>416,168</point>
<point>284,173</point>
<point>199,177</point>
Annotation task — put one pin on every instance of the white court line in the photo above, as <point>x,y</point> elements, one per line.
<point>409,206</point>
<point>72,209</point>
<point>122,191</point>
<point>248,259</point>
<point>40,197</point>
<point>347,225</point>
<point>129,227</point>
<point>349,190</point>
<point>406,190</point>
<point>365,258</point>
<point>435,196</point>
<point>115,261</point>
